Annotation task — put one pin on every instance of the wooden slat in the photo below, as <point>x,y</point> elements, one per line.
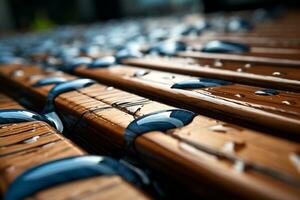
<point>104,188</point>
<point>258,51</point>
<point>102,113</point>
<point>25,145</point>
<point>228,67</point>
<point>232,101</point>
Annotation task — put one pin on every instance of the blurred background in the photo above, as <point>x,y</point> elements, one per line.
<point>37,15</point>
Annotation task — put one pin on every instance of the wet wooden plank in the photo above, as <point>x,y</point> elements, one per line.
<point>236,68</point>
<point>102,113</point>
<point>278,112</point>
<point>28,144</point>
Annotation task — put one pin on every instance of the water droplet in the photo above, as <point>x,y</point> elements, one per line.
<point>64,170</point>
<point>295,160</point>
<point>92,50</point>
<point>248,65</point>
<point>229,147</point>
<point>19,115</point>
<point>33,129</point>
<point>52,61</point>
<point>168,48</point>
<point>159,121</point>
<point>220,128</point>
<point>10,169</point>
<point>288,102</point>
<point>224,128</point>
<point>63,88</point>
<point>18,73</point>
<point>238,25</point>
<point>31,140</point>
<point>35,77</point>
<point>109,88</point>
<point>218,63</point>
<point>199,83</point>
<point>141,73</point>
<point>239,166</point>
<point>218,46</point>
<point>239,95</point>
<point>103,62</point>
<point>277,73</point>
<point>127,53</point>
<point>233,146</point>
<point>191,30</point>
<point>267,92</point>
<point>49,81</point>
<point>76,62</point>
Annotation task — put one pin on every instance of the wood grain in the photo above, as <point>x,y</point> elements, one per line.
<point>25,145</point>
<point>102,113</point>
<point>239,69</point>
<point>268,112</point>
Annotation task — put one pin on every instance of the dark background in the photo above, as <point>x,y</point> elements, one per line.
<point>35,15</point>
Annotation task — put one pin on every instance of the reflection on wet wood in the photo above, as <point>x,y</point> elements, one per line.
<point>218,153</point>
<point>28,144</point>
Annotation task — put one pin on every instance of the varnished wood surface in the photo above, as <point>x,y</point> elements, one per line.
<point>105,112</point>
<point>25,145</point>
<point>105,188</point>
<point>236,101</point>
<point>221,66</point>
<point>264,52</point>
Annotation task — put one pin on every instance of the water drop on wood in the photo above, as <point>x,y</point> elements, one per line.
<point>239,95</point>
<point>218,128</point>
<point>295,160</point>
<point>140,73</point>
<point>248,65</point>
<point>18,73</point>
<point>267,92</point>
<point>199,83</point>
<point>286,102</point>
<point>239,166</point>
<point>277,73</point>
<point>218,63</point>
<point>31,140</point>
